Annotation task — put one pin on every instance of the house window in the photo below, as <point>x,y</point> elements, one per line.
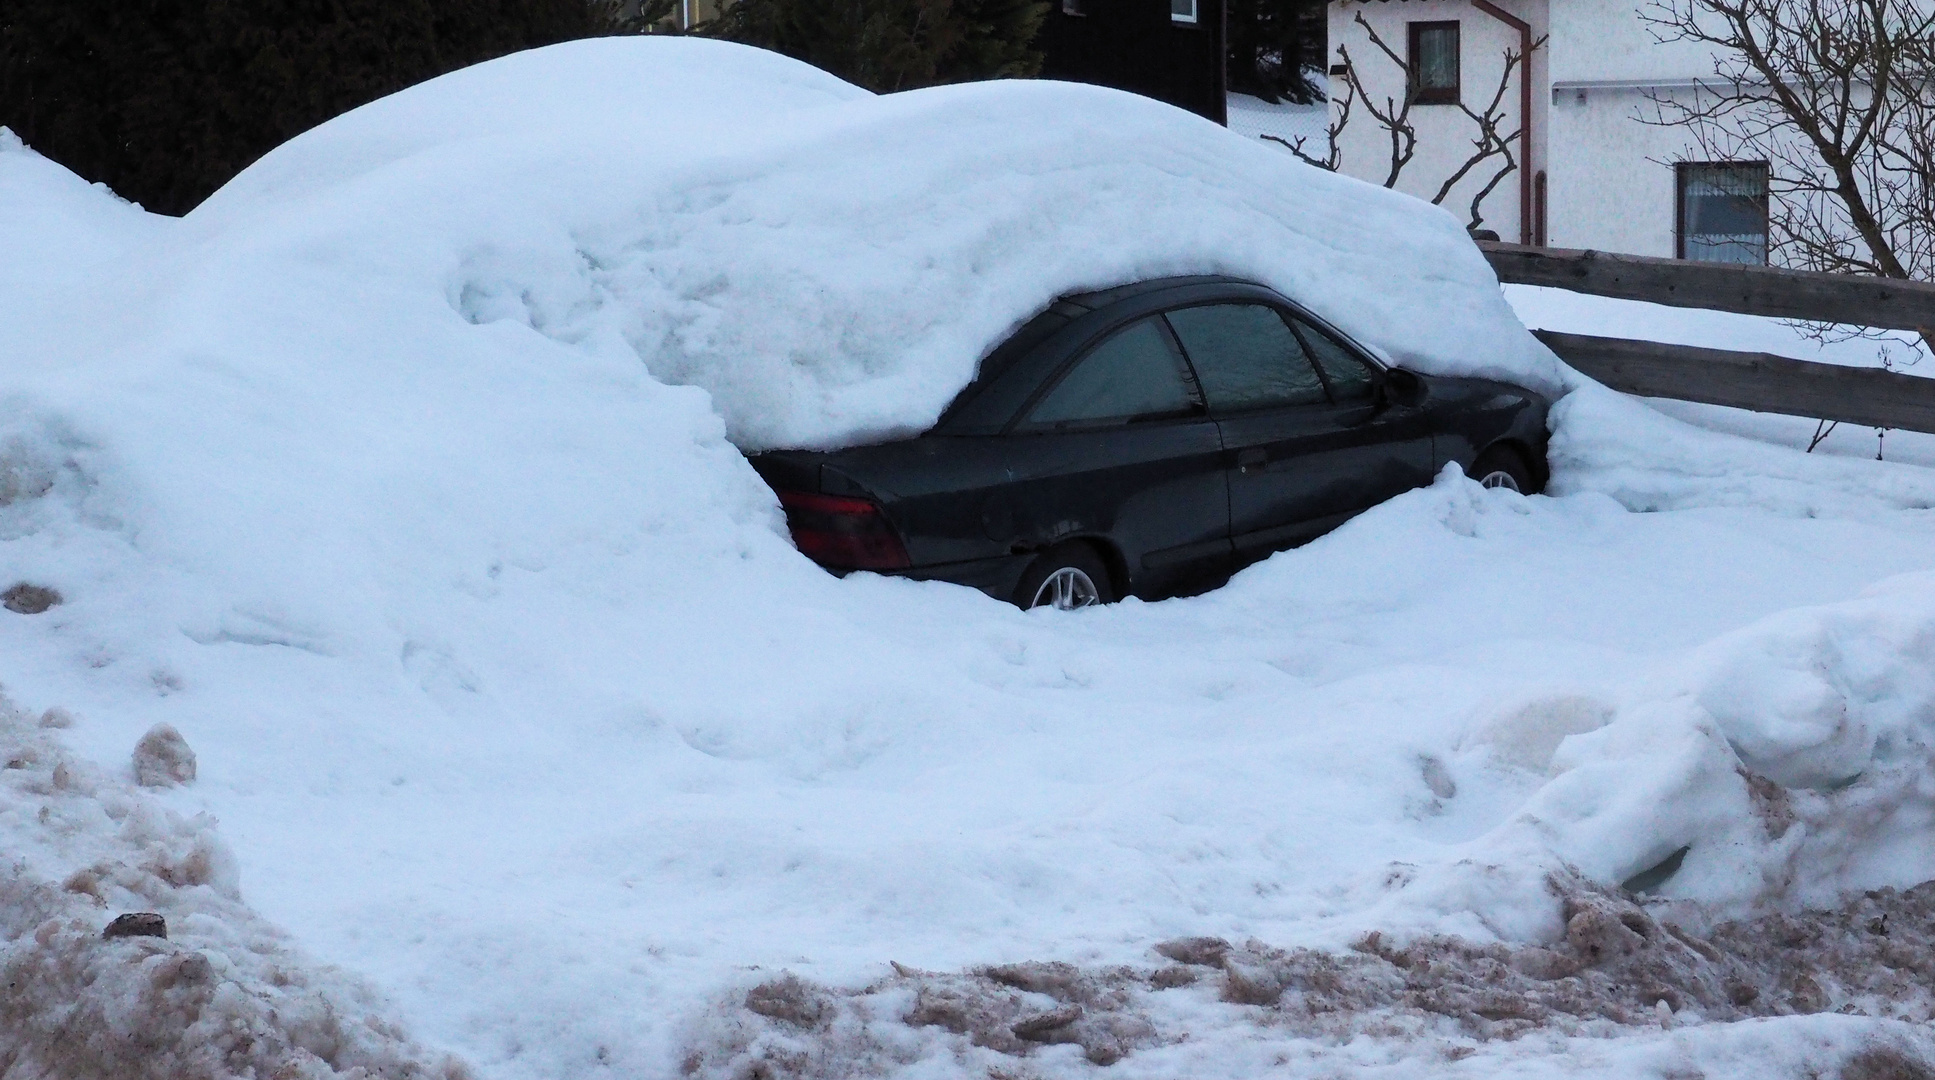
<point>1434,63</point>
<point>1074,7</point>
<point>1182,11</point>
<point>1722,213</point>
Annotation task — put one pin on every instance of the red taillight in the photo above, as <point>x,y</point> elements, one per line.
<point>843,533</point>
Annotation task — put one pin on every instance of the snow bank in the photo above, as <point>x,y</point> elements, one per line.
<point>220,993</point>
<point>1611,444</point>
<point>1783,763</point>
<point>1622,994</point>
<point>1740,788</point>
<point>400,480</point>
<point>828,264</point>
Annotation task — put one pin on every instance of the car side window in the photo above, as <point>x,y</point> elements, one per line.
<point>1350,378</point>
<point>1246,357</point>
<point>1135,374</point>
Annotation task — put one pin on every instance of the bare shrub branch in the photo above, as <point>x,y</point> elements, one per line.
<point>1394,119</point>
<point>1330,160</point>
<point>1837,97</point>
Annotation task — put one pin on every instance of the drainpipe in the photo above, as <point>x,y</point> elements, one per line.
<point>1524,112</point>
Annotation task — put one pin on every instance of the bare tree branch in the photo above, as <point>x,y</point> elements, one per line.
<point>1836,96</point>
<point>1395,120</point>
<point>1330,160</point>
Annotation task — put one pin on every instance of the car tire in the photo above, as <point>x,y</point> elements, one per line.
<point>1066,576</point>
<point>1503,467</point>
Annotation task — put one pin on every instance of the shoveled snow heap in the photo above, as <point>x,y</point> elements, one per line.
<point>400,478</point>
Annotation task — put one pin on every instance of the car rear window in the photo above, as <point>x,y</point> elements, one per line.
<point>1135,374</point>
<point>986,405</point>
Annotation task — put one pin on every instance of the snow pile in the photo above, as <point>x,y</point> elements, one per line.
<point>827,263</point>
<point>399,481</point>
<point>220,994</point>
<point>1763,774</point>
<point>1783,763</point>
<point>1618,976</point>
<point>1607,443</point>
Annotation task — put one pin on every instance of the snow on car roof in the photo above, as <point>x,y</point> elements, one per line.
<point>830,264</point>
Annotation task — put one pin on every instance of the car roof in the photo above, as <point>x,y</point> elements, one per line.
<point>1101,298</point>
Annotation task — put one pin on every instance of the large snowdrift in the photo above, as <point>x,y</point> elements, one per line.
<point>401,478</point>
<point>827,263</point>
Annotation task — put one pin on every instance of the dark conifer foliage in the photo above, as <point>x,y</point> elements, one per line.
<point>1274,45</point>
<point>165,100</point>
<point>888,45</point>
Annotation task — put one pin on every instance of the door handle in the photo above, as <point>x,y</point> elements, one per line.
<point>1253,458</point>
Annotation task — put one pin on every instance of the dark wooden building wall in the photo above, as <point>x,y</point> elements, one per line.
<point>1134,45</point>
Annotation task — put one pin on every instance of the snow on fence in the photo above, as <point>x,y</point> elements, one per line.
<point>1758,381</point>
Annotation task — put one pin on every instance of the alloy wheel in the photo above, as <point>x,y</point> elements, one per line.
<point>1499,478</point>
<point>1067,589</point>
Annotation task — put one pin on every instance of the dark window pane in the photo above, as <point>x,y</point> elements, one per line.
<point>1438,58</point>
<point>1349,377</point>
<point>991,400</point>
<point>1133,374</point>
<point>1246,357</point>
<point>1723,212</point>
<point>1434,62</point>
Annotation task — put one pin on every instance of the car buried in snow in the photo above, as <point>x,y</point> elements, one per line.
<point>1150,440</point>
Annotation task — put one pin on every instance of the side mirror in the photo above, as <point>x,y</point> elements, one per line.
<point>1403,387</point>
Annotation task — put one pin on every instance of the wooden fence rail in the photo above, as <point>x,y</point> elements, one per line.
<point>1758,381</point>
<point>1883,303</point>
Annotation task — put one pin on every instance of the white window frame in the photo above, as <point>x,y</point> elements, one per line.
<point>1178,16</point>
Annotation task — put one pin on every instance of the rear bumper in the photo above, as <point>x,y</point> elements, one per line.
<point>999,577</point>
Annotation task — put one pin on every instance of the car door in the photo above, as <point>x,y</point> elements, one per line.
<point>1118,445</point>
<point>1385,446</point>
<point>1304,448</point>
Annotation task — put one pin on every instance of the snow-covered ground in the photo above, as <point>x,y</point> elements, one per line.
<point>401,480</point>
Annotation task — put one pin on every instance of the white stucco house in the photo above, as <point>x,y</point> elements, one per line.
<point>1591,174</point>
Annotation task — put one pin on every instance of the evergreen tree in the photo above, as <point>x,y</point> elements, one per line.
<point>165,100</point>
<point>1274,47</point>
<point>639,16</point>
<point>998,41</point>
<point>888,45</point>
